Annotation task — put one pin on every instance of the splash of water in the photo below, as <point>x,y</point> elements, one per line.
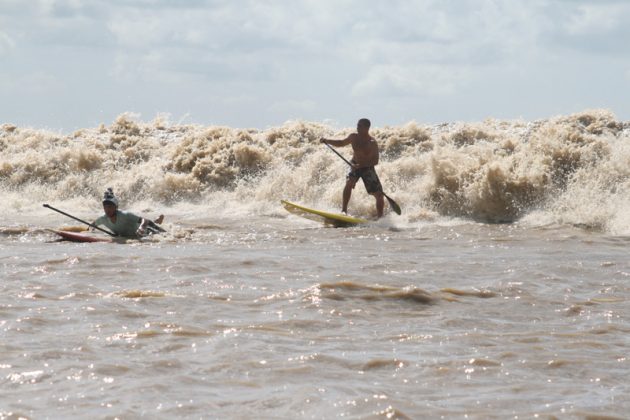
<point>569,169</point>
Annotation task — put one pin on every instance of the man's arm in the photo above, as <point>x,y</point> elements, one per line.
<point>338,143</point>
<point>99,221</point>
<point>142,229</point>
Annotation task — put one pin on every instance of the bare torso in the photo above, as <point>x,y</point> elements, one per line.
<point>365,150</point>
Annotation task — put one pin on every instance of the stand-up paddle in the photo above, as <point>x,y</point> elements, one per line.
<point>391,202</point>
<point>79,220</point>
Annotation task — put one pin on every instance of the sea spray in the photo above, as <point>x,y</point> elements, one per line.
<point>568,169</point>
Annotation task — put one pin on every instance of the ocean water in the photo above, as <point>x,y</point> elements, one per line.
<point>500,292</point>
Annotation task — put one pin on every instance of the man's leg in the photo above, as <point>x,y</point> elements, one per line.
<point>373,186</point>
<point>380,203</point>
<point>153,225</point>
<point>347,192</point>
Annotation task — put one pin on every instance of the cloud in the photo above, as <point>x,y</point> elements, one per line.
<point>589,27</point>
<point>137,31</point>
<point>226,25</point>
<point>224,42</point>
<point>6,43</point>
<point>439,50</point>
<point>589,19</point>
<point>31,83</point>
<point>397,80</point>
<point>295,57</point>
<point>293,107</point>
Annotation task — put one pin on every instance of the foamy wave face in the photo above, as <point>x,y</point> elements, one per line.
<point>498,171</point>
<point>570,169</point>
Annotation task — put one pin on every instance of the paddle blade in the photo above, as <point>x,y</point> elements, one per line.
<point>393,205</point>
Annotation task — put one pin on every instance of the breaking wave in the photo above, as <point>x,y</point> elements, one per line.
<point>566,170</point>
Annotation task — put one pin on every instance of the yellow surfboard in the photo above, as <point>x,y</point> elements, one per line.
<point>334,219</point>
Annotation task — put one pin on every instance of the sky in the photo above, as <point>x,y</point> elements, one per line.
<point>70,64</point>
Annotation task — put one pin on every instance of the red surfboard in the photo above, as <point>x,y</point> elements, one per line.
<point>80,237</point>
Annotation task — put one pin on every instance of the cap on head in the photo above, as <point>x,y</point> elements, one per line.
<point>109,197</point>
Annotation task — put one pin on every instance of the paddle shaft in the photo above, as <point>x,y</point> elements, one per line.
<point>79,220</point>
<point>339,154</point>
<point>392,203</point>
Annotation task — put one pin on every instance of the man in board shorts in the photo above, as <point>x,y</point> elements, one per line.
<point>365,157</point>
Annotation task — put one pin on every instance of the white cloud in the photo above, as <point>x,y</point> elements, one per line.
<point>6,43</point>
<point>133,67</point>
<point>396,80</point>
<point>31,83</point>
<point>442,49</point>
<point>59,8</point>
<point>590,27</point>
<point>318,58</point>
<point>596,18</point>
<point>291,108</point>
<point>137,31</point>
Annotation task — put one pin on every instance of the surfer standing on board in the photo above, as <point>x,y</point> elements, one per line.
<point>124,223</point>
<point>364,158</point>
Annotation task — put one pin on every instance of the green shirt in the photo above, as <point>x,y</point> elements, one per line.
<point>126,223</point>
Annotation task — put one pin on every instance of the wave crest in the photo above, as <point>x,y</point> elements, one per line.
<point>567,169</point>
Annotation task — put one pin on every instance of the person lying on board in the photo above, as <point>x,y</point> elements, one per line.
<point>124,223</point>
<point>364,159</point>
